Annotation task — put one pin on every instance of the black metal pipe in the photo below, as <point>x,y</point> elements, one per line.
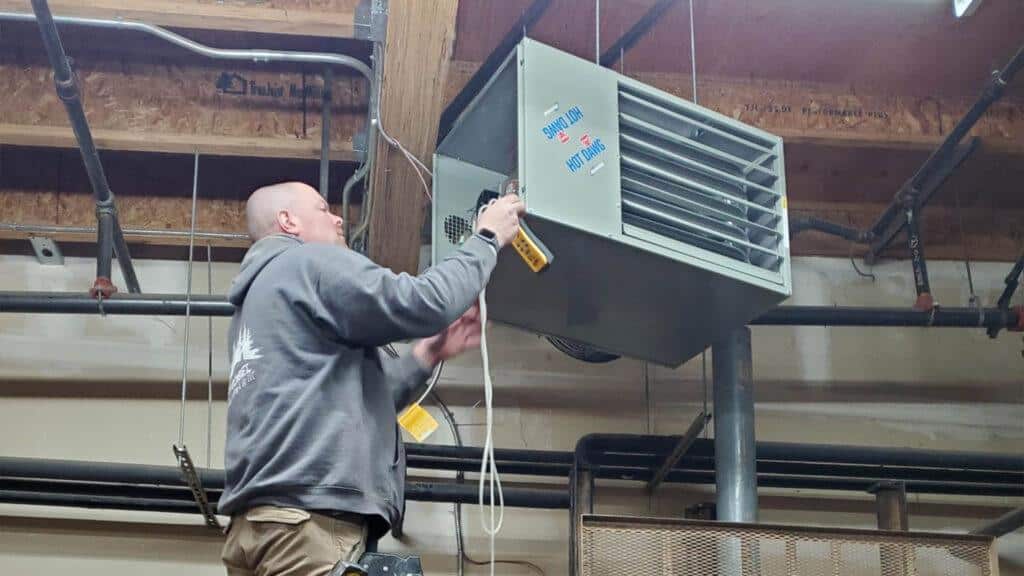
<point>1012,281</point>
<point>634,34</point>
<point>790,452</point>
<point>992,92</point>
<point>500,454</point>
<point>773,458</point>
<point>801,223</point>
<point>607,447</point>
<point>863,484</point>
<point>174,305</point>
<point>110,472</point>
<point>180,492</point>
<point>124,259</point>
<point>917,260</point>
<point>944,154</point>
<point>122,496</point>
<point>104,242</point>
<point>892,222</point>
<point>623,467</point>
<point>530,16</point>
<point>907,317</point>
<point>163,482</point>
<point>325,131</point>
<point>453,492</point>
<point>90,501</point>
<point>68,92</point>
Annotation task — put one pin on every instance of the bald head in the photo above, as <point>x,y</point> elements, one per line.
<point>292,208</point>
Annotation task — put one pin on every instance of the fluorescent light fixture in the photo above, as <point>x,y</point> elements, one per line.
<point>965,7</point>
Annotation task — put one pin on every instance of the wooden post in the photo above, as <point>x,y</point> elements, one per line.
<point>416,56</point>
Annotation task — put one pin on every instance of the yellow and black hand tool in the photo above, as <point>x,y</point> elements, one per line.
<point>526,243</point>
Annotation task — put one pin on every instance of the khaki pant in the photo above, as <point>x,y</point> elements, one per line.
<point>272,541</point>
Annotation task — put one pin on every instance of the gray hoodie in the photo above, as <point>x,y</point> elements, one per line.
<point>312,403</point>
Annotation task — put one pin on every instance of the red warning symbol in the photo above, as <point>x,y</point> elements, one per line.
<point>563,137</point>
<point>585,139</point>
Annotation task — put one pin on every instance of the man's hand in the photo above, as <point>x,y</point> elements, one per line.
<point>461,335</point>
<point>502,218</point>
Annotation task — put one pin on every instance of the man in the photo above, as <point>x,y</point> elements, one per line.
<point>314,460</point>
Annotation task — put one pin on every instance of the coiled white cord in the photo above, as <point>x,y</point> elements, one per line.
<point>488,469</point>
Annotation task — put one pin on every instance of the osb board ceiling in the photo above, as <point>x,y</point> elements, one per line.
<point>49,187</point>
<point>336,18</point>
<point>830,114</point>
<point>852,186</point>
<point>861,91</point>
<point>912,47</point>
<point>138,99</point>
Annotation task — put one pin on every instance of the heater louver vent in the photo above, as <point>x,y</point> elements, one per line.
<point>690,178</point>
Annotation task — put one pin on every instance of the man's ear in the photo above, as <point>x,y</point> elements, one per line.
<point>287,223</point>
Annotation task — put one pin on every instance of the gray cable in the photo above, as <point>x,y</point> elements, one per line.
<point>209,359</point>
<point>188,302</point>
<point>357,239</point>
<point>963,243</point>
<point>346,196</point>
<point>597,32</point>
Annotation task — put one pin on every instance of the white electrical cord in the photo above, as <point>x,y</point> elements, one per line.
<point>430,385</point>
<point>488,469</point>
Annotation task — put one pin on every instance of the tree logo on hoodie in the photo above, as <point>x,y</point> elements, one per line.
<point>241,373</point>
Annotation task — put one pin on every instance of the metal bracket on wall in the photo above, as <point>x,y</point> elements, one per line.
<point>893,220</point>
<point>47,251</point>
<point>188,471</point>
<point>680,449</point>
<point>371,20</point>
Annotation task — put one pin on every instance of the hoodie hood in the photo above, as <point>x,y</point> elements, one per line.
<point>256,259</point>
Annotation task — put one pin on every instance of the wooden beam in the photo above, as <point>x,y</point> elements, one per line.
<point>45,192</point>
<point>333,18</point>
<point>213,145</point>
<point>417,53</point>
<point>161,106</point>
<point>814,113</point>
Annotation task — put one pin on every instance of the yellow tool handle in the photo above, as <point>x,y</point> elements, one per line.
<point>531,249</point>
<point>527,244</point>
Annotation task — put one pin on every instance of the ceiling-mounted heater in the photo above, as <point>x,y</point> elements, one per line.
<point>667,220</point>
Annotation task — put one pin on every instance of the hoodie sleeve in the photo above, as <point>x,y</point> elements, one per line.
<point>406,376</point>
<point>369,305</point>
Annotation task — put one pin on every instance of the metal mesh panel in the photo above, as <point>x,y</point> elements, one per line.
<point>613,545</point>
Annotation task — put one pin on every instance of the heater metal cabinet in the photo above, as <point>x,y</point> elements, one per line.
<point>667,220</point>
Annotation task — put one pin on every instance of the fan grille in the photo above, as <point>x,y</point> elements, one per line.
<point>456,228</point>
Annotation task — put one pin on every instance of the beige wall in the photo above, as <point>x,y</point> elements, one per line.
<point>104,389</point>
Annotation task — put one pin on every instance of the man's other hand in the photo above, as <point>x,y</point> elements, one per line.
<point>461,335</point>
<point>502,218</point>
